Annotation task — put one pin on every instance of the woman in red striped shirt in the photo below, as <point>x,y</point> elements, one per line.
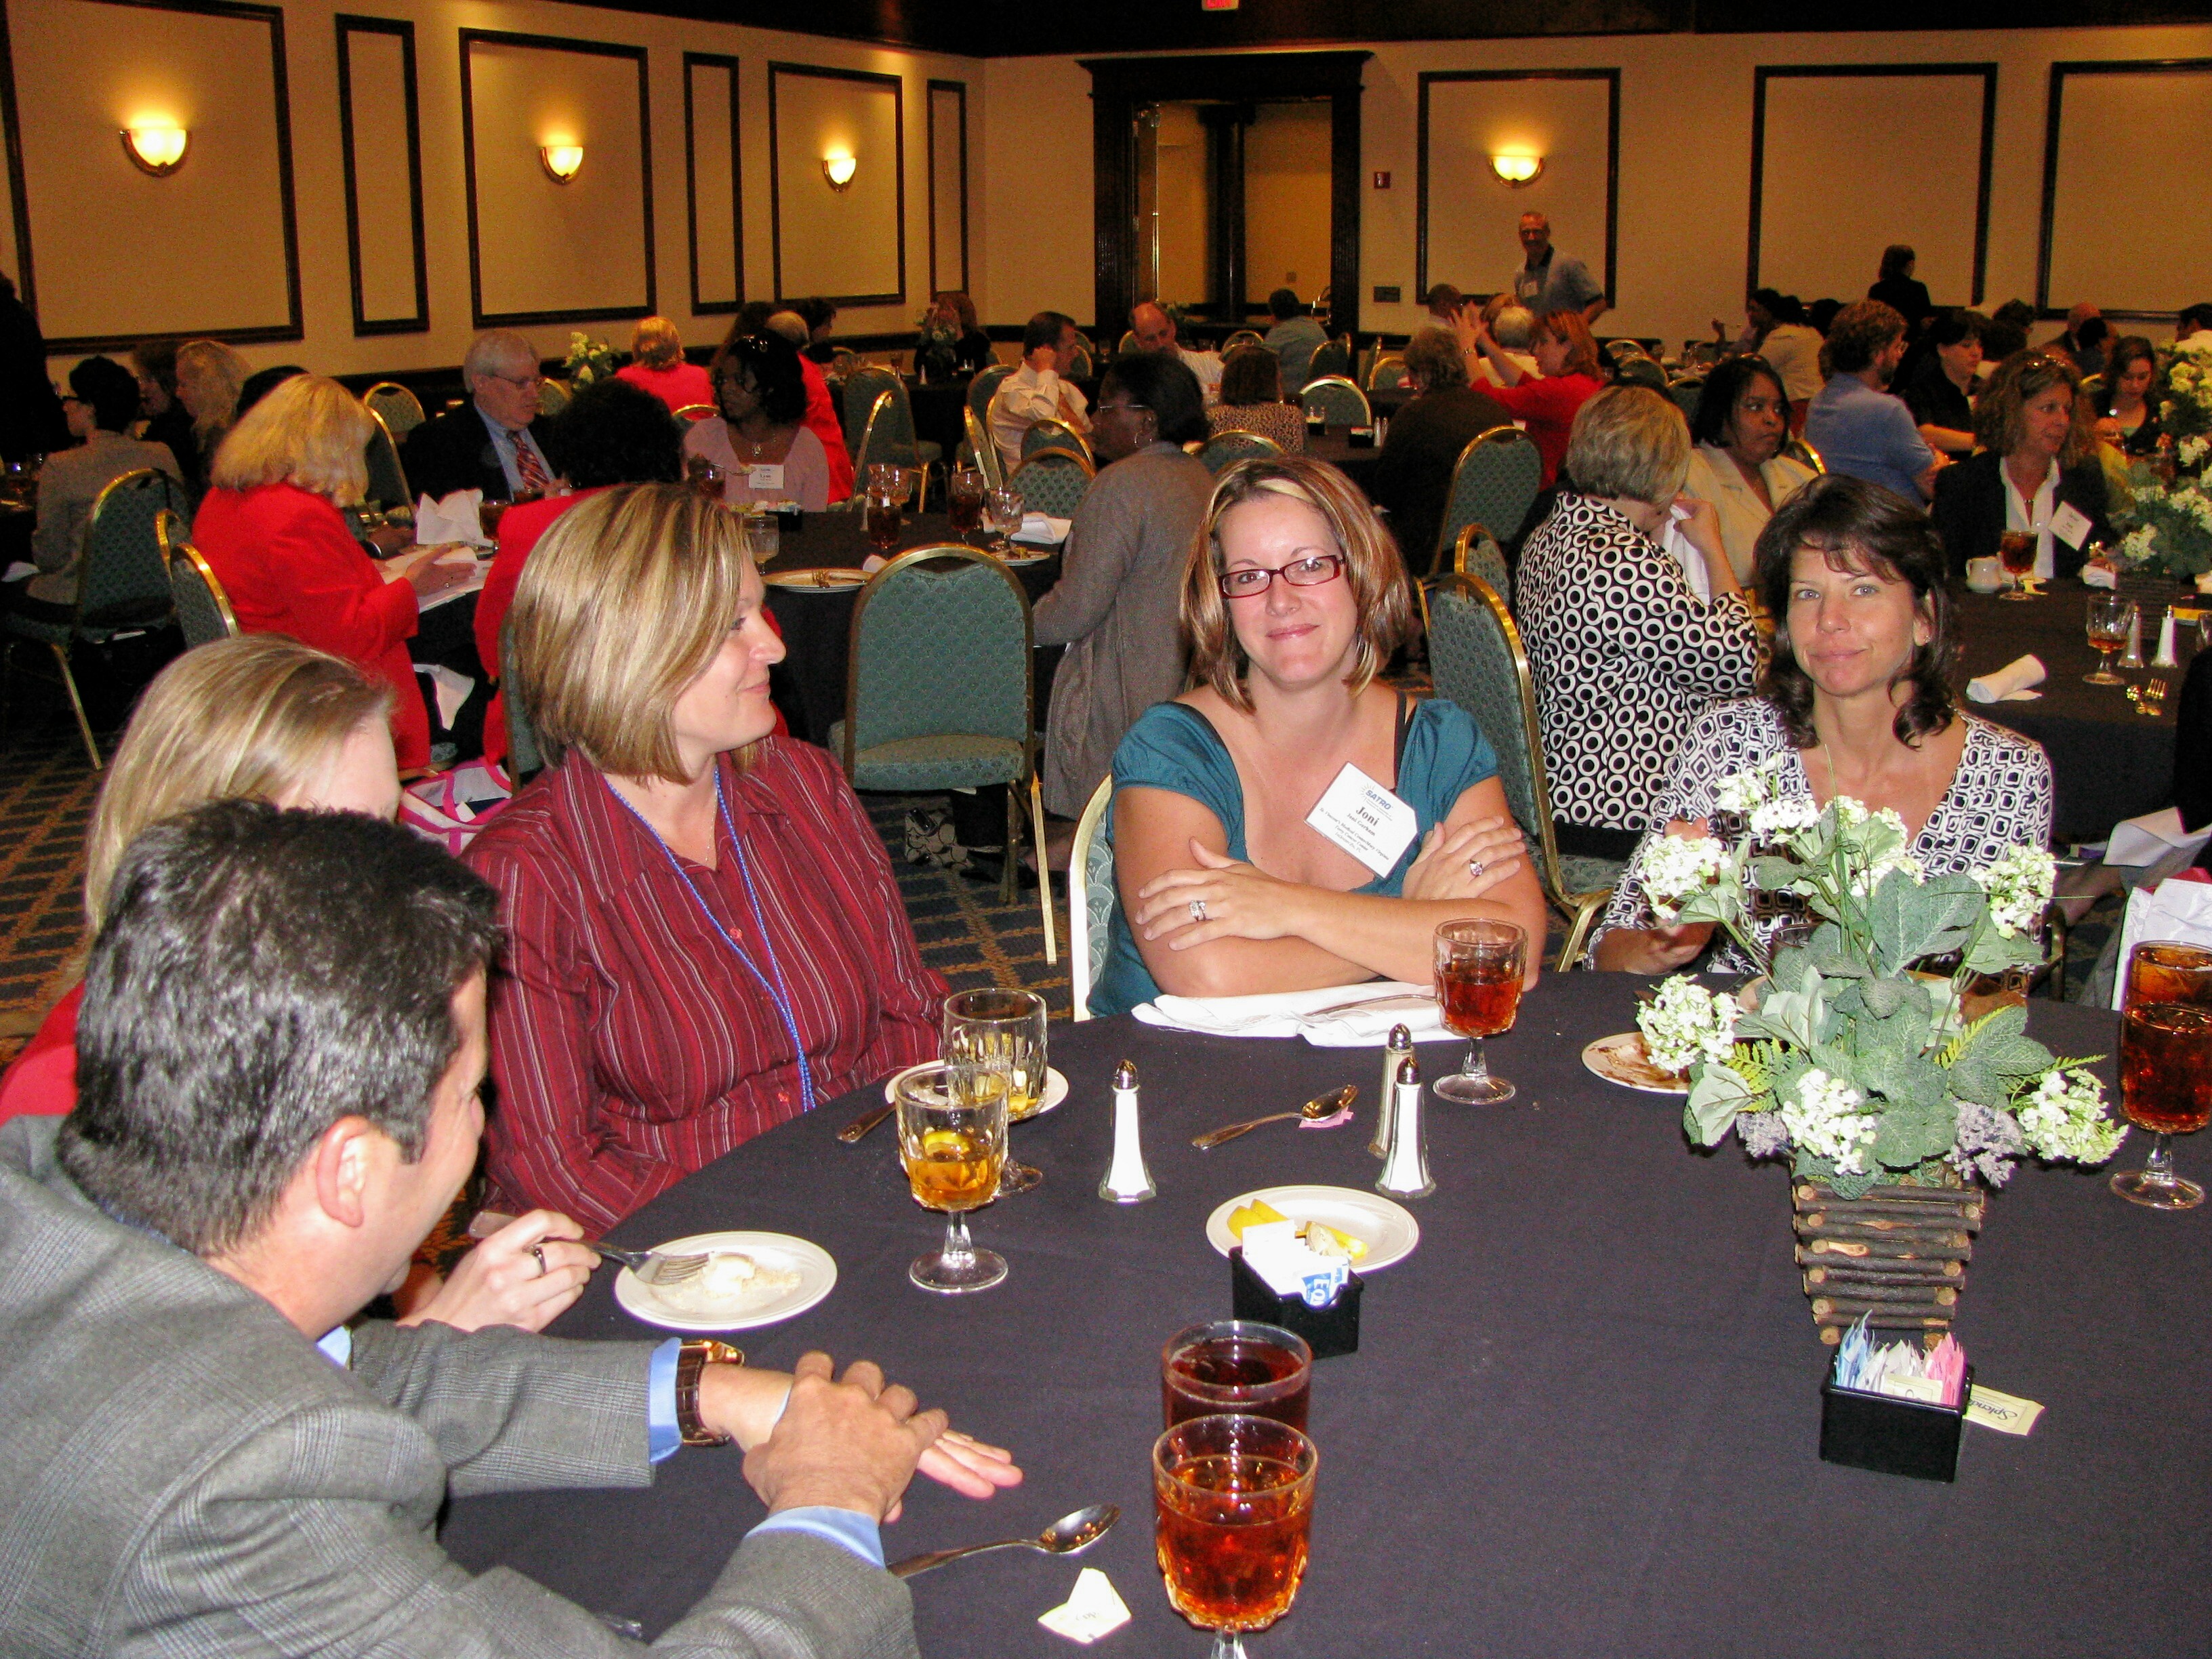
<point>704,939</point>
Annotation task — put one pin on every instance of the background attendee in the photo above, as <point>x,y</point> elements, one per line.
<point>704,937</point>
<point>1115,603</point>
<point>2128,404</point>
<point>2194,321</point>
<point>1895,288</point>
<point>1296,336</point>
<point>1776,329</point>
<point>2006,332</point>
<point>1548,280</point>
<point>2038,470</point>
<point>1736,461</point>
<point>759,439</point>
<point>1293,600</point>
<point>271,531</point>
<point>495,442</point>
<point>1156,331</point>
<point>1414,475</point>
<point>209,377</point>
<point>1623,651</point>
<point>30,414</point>
<point>1567,357</point>
<point>1857,697</point>
<point>2085,338</point>
<point>1036,390</point>
<point>1859,429</point>
<point>821,320</point>
<point>1513,327</point>
<point>166,420</point>
<point>259,384</point>
<point>103,402</point>
<point>1440,309</point>
<point>1940,389</point>
<point>657,366</point>
<point>821,418</point>
<point>1252,399</point>
<point>971,351</point>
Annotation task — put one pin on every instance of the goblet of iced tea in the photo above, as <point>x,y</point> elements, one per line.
<point>1480,964</point>
<point>2016,553</point>
<point>952,1139</point>
<point>2165,1066</point>
<point>488,513</point>
<point>2106,624</point>
<point>964,501</point>
<point>1236,1365</point>
<point>1006,1030</point>
<point>1233,1502</point>
<point>883,521</point>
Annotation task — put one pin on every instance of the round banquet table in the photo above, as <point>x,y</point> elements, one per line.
<point>1334,444</point>
<point>1585,1415</point>
<point>2108,762</point>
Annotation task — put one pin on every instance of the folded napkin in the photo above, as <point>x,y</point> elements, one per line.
<point>2099,575</point>
<point>2155,836</point>
<point>452,520</point>
<point>2009,683</point>
<point>1040,530</point>
<point>1692,562</point>
<point>452,688</point>
<point>873,562</point>
<point>1380,1004</point>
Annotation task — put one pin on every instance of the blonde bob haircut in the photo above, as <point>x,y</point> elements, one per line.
<point>1378,574</point>
<point>250,718</point>
<point>211,375</point>
<point>623,605</point>
<point>1629,440</point>
<point>2000,412</point>
<point>654,343</point>
<point>310,432</point>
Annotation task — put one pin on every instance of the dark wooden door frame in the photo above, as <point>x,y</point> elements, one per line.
<point>1121,86</point>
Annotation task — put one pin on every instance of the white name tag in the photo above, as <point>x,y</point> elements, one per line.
<point>1365,819</point>
<point>764,474</point>
<point>2069,524</point>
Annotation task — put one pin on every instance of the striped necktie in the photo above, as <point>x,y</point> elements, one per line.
<point>526,463</point>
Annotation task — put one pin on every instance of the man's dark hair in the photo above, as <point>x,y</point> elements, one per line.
<point>815,311</point>
<point>261,975</point>
<point>1441,298</point>
<point>1861,332</point>
<point>615,432</point>
<point>1724,389</point>
<point>1165,385</point>
<point>2092,330</point>
<point>1954,326</point>
<point>2016,311</point>
<point>1782,308</point>
<point>108,389</point>
<point>263,381</point>
<point>2197,316</point>
<point>1284,304</point>
<point>1043,330</point>
<point>1821,312</point>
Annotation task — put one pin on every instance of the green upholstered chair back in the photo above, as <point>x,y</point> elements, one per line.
<point>553,396</point>
<point>387,478</point>
<point>1388,374</point>
<point>1494,483</point>
<point>1687,394</point>
<point>203,612</point>
<point>1092,897</point>
<point>880,442</point>
<point>1243,337</point>
<point>524,759</point>
<point>1804,454</point>
<point>940,647</point>
<point>123,582</point>
<point>690,414</point>
<point>1126,344</point>
<point>400,409</point>
<point>1224,449</point>
<point>986,450</point>
<point>1081,366</point>
<point>1641,371</point>
<point>1053,482</point>
<point>1331,357</point>
<point>1341,403</point>
<point>864,387</point>
<point>984,387</point>
<point>1057,434</point>
<point>1477,554</point>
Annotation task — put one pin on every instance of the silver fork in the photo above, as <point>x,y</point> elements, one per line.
<point>650,1265</point>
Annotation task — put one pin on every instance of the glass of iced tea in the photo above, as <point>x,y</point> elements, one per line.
<point>2107,624</point>
<point>964,501</point>
<point>1479,966</point>
<point>1236,1365</point>
<point>882,522</point>
<point>488,513</point>
<point>952,1140</point>
<point>1004,1030</point>
<point>1233,1504</point>
<point>2166,971</point>
<point>2165,1066</point>
<point>2016,553</point>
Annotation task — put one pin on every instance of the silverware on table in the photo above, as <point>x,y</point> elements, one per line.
<point>1321,1106</point>
<point>1066,1536</point>
<point>852,1132</point>
<point>651,1266</point>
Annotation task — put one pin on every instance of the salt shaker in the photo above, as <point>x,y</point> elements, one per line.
<point>2165,642</point>
<point>1399,1047</point>
<point>2132,657</point>
<point>1406,1170</point>
<point>1128,1180</point>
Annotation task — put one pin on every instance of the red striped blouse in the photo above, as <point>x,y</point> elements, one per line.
<point>628,1046</point>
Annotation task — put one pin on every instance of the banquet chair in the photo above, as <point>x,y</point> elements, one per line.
<point>885,441</point>
<point>1092,897</point>
<point>1224,449</point>
<point>1477,554</point>
<point>984,387</point>
<point>865,389</point>
<point>1640,370</point>
<point>122,587</point>
<point>988,457</point>
<point>1477,658</point>
<point>1388,373</point>
<point>1493,482</point>
<point>1127,343</point>
<point>1331,358</point>
<point>697,412</point>
<point>1686,395</point>
<point>1796,449</point>
<point>938,693</point>
<point>1341,403</point>
<point>203,612</point>
<point>1057,434</point>
<point>1243,337</point>
<point>1080,366</point>
<point>524,759</point>
<point>387,478</point>
<point>1053,482</point>
<point>398,407</point>
<point>553,396</point>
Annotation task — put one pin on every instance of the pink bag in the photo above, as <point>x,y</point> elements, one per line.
<point>450,807</point>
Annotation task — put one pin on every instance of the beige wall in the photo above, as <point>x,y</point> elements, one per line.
<point>1186,218</point>
<point>376,66</point>
<point>1286,151</point>
<point>840,242</point>
<point>1471,216</point>
<point>1033,188</point>
<point>2132,247</point>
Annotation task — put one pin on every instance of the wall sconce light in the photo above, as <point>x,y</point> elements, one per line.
<point>839,169</point>
<point>155,147</point>
<point>560,161</point>
<point>1517,171</point>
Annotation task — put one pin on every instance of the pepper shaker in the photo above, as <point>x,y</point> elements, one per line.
<point>1128,1180</point>
<point>1399,1047</point>
<point>1405,1171</point>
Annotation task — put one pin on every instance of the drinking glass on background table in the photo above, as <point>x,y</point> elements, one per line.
<point>706,476</point>
<point>1480,965</point>
<point>1236,1365</point>
<point>764,537</point>
<point>2166,1065</point>
<point>488,513</point>
<point>2016,552</point>
<point>883,523</point>
<point>2110,618</point>
<point>952,1140</point>
<point>1003,1030</point>
<point>1002,517</point>
<point>964,501</point>
<point>1233,1505</point>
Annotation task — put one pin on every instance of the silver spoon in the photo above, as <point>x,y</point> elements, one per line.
<point>1321,1106</point>
<point>1066,1536</point>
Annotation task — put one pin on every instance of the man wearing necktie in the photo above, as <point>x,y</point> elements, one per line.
<point>493,443</point>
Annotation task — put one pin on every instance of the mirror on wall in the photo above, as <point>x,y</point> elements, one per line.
<point>1232,201</point>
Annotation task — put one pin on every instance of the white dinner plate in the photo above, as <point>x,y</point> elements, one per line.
<point>1055,1087</point>
<point>818,1277</point>
<point>1388,1229</point>
<point>1620,1058</point>
<point>832,578</point>
<point>1036,556</point>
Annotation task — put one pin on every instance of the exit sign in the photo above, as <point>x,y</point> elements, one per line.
<point>1218,5</point>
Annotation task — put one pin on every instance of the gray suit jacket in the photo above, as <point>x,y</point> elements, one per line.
<point>181,1474</point>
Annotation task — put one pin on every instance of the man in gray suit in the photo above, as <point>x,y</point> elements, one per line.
<point>278,1060</point>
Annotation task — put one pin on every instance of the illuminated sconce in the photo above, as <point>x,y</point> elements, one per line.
<point>839,168</point>
<point>560,161</point>
<point>155,147</point>
<point>1517,170</point>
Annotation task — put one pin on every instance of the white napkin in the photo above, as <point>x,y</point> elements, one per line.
<point>873,562</point>
<point>1040,530</point>
<point>2139,842</point>
<point>1383,1003</point>
<point>2009,683</point>
<point>452,520</point>
<point>1093,1609</point>
<point>21,571</point>
<point>1692,562</point>
<point>2098,575</point>
<point>453,689</point>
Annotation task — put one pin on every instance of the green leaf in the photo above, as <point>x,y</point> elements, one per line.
<point>1911,1133</point>
<point>1911,919</point>
<point>1717,1095</point>
<point>1971,1077</point>
<point>1885,997</point>
<point>1774,875</point>
<point>1991,952</point>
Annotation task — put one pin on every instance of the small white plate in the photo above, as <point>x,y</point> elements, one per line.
<point>1055,1087</point>
<point>1037,555</point>
<point>1388,1229</point>
<point>1619,1059</point>
<point>833,578</point>
<point>818,1277</point>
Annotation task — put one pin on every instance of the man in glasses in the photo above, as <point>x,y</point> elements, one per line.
<point>493,443</point>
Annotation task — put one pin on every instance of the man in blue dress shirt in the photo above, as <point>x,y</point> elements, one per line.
<point>1858,428</point>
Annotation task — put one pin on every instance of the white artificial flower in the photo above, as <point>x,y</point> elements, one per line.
<point>1685,1023</point>
<point>2019,885</point>
<point>1739,791</point>
<point>1850,814</point>
<point>1677,868</point>
<point>2065,1117</point>
<point>1774,818</point>
<point>1821,1121</point>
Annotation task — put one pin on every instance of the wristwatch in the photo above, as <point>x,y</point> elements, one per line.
<point>693,1357</point>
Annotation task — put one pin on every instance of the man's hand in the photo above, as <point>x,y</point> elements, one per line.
<point>851,1444</point>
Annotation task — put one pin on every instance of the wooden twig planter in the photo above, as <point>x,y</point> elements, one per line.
<point>1895,1255</point>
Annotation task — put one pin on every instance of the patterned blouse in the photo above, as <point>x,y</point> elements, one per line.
<point>1626,657</point>
<point>2000,797</point>
<point>1284,422</point>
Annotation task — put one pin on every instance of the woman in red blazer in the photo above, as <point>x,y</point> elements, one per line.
<point>270,529</point>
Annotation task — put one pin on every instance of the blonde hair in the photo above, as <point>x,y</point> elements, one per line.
<point>623,605</point>
<point>212,374</point>
<point>654,343</point>
<point>2000,412</point>
<point>1373,565</point>
<point>251,717</point>
<point>310,432</point>
<point>1629,440</point>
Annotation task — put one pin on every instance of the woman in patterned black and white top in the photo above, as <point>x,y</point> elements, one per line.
<point>1857,700</point>
<point>1624,653</point>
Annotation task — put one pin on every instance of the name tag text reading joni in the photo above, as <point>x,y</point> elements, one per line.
<point>764,474</point>
<point>1365,819</point>
<point>2069,524</point>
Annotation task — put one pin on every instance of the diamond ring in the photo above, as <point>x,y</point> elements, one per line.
<point>1198,909</point>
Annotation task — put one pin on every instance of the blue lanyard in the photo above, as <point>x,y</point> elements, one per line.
<point>778,994</point>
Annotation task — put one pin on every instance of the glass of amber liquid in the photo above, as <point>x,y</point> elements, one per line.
<point>1479,966</point>
<point>952,1140</point>
<point>1237,1365</point>
<point>2016,553</point>
<point>1233,1504</point>
<point>2166,1065</point>
<point>1003,1030</point>
<point>964,501</point>
<point>883,521</point>
<point>2107,624</point>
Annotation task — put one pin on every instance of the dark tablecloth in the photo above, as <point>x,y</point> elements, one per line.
<point>1334,444</point>
<point>1584,1416</point>
<point>2109,761</point>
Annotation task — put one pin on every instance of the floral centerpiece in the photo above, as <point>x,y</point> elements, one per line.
<point>588,360</point>
<point>937,352</point>
<point>2167,519</point>
<point>2185,413</point>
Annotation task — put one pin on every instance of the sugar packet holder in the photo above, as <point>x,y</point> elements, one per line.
<point>1329,1329</point>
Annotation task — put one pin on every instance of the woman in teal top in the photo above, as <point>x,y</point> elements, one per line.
<point>1293,598</point>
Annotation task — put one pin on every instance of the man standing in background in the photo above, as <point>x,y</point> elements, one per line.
<point>1550,280</point>
<point>1294,338</point>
